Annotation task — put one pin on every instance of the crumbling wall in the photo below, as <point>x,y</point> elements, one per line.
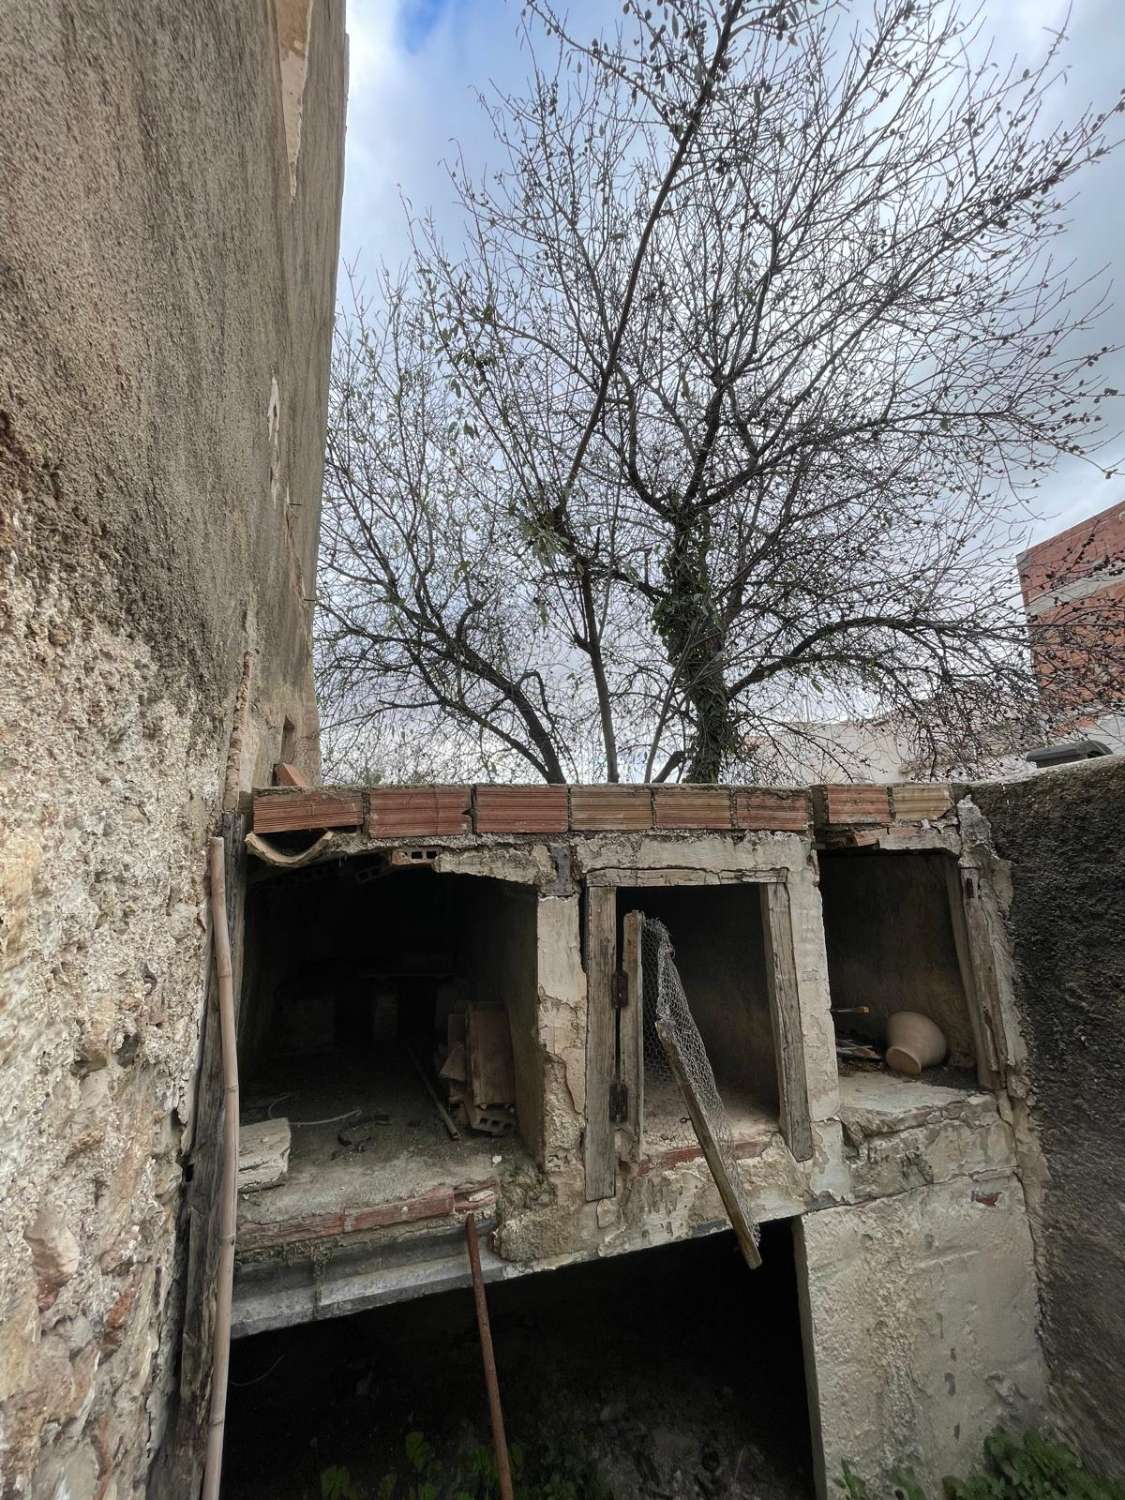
<point>165,312</point>
<point>1060,835</point>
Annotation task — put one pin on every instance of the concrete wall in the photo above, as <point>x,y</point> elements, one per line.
<point>920,1312</point>
<point>1058,839</point>
<point>165,313</point>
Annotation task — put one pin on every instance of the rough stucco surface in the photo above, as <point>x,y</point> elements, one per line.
<point>1061,834</point>
<point>922,1314</point>
<point>164,321</point>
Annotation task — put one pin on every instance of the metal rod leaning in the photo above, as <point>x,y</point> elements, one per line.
<point>495,1410</point>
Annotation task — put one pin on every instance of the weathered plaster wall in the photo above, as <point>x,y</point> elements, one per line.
<point>921,1317</point>
<point>1059,845</point>
<point>165,311</point>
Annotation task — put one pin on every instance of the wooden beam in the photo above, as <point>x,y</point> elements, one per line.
<point>291,809</point>
<point>785,1020</point>
<point>979,987</point>
<point>632,1028</point>
<point>601,1041</point>
<point>184,1454</point>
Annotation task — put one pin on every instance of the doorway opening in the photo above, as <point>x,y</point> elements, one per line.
<point>672,1371</point>
<point>361,983</point>
<point>717,935</point>
<point>894,934</point>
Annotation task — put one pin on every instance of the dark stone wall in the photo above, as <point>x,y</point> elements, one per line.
<point>1063,833</point>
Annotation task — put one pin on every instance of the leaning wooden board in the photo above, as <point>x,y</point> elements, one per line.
<point>492,1074</point>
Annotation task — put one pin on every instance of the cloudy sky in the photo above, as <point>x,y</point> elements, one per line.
<point>416,66</point>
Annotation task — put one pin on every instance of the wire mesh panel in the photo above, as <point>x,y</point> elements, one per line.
<point>672,1042</point>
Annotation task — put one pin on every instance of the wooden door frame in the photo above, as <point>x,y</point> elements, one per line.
<point>611,1031</point>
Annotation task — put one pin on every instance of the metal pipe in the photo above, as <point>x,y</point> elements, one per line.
<point>220,1353</point>
<point>495,1410</point>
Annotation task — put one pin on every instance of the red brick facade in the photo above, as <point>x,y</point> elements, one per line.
<point>1074,593</point>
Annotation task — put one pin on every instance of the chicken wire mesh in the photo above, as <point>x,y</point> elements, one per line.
<point>674,1056</point>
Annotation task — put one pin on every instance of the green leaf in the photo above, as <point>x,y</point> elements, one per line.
<point>419,1454</point>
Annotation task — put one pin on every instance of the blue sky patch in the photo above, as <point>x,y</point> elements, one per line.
<point>416,19</point>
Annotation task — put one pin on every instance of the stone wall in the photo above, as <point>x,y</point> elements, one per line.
<point>167,267</point>
<point>1060,838</point>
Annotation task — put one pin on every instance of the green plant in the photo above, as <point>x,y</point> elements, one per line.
<point>336,1484</point>
<point>852,1484</point>
<point>550,1475</point>
<point>1033,1467</point>
<point>1027,1467</point>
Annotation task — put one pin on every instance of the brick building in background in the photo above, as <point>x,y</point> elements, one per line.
<point>1074,592</point>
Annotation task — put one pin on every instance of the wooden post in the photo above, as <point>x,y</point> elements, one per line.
<point>631,1028</point>
<point>785,1020</point>
<point>976,985</point>
<point>179,1465</point>
<point>601,1040</point>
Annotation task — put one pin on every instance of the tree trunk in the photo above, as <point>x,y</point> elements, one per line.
<point>690,625</point>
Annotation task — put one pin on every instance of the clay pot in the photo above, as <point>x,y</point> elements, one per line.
<point>914,1042</point>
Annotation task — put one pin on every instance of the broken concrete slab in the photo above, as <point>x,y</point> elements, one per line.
<point>263,1154</point>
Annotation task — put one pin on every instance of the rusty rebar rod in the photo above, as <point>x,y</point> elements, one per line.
<point>495,1410</point>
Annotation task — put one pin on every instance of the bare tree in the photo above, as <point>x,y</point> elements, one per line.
<point>732,398</point>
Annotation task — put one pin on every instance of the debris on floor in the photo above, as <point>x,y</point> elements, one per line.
<point>476,1064</point>
<point>263,1154</point>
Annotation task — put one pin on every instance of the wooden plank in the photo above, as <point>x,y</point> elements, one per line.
<point>492,1072</point>
<point>988,1069</point>
<point>601,1041</point>
<point>785,1020</point>
<point>184,1455</point>
<point>744,1231</point>
<point>631,1032</point>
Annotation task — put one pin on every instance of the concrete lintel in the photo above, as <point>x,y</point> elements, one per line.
<point>672,875</point>
<point>339,1280</point>
<point>716,856</point>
